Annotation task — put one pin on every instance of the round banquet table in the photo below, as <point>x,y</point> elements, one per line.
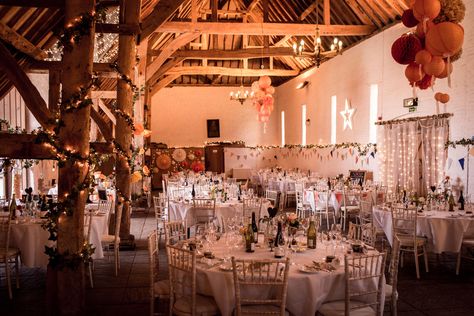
<point>184,210</point>
<point>30,238</point>
<point>444,230</point>
<point>306,291</point>
<point>99,228</point>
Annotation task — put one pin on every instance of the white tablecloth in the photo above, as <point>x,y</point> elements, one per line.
<point>443,229</point>
<point>31,239</point>
<point>183,210</point>
<point>306,292</point>
<point>100,226</point>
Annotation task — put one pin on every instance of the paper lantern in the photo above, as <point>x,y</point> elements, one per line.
<point>444,98</point>
<point>437,95</point>
<point>179,154</point>
<point>448,69</point>
<point>264,82</point>
<point>435,67</point>
<point>426,9</point>
<point>146,170</point>
<point>423,27</point>
<point>408,19</point>
<point>197,166</point>
<point>423,57</point>
<point>255,86</point>
<point>163,161</point>
<point>138,129</point>
<point>425,83</point>
<point>445,39</point>
<point>413,73</point>
<point>405,48</point>
<point>270,90</point>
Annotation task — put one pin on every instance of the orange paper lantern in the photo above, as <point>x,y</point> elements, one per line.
<point>437,96</point>
<point>423,28</point>
<point>264,82</point>
<point>444,98</point>
<point>435,67</point>
<point>423,57</point>
<point>138,129</point>
<point>426,9</point>
<point>413,72</point>
<point>445,39</point>
<point>448,69</point>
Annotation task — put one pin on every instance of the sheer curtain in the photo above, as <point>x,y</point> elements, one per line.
<point>412,154</point>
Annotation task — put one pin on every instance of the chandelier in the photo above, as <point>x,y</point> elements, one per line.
<point>319,53</point>
<point>241,94</point>
<point>298,48</point>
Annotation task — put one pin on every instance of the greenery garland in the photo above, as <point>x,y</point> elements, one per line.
<point>461,142</point>
<point>80,27</point>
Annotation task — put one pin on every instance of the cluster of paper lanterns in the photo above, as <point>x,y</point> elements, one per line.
<point>429,50</point>
<point>263,98</point>
<point>140,130</point>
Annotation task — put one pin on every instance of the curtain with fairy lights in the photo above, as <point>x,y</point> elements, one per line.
<point>412,154</point>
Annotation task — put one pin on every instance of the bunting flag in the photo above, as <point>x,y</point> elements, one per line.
<point>357,159</point>
<point>337,154</point>
<point>449,162</point>
<point>251,154</point>
<point>332,153</point>
<point>350,151</point>
<point>238,157</point>
<point>367,160</point>
<point>471,151</point>
<point>245,157</point>
<point>232,154</point>
<point>372,154</point>
<point>461,162</point>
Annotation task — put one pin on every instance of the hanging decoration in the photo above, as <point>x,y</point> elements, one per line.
<point>437,41</point>
<point>347,115</point>
<point>263,99</point>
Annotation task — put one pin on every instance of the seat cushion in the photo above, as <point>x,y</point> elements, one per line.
<point>337,308</point>
<point>261,309</point>
<point>161,288</point>
<point>388,291</point>
<point>408,240</point>
<point>204,305</point>
<point>350,208</point>
<point>109,239</point>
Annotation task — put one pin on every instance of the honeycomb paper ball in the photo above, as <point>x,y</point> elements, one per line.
<point>405,48</point>
<point>408,19</point>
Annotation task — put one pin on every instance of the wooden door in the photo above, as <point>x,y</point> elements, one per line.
<point>215,159</point>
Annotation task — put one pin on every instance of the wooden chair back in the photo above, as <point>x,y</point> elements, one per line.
<point>364,276</point>
<point>362,232</point>
<point>252,205</point>
<point>267,276</point>
<point>175,231</point>
<point>182,275</point>
<point>204,210</point>
<point>404,221</point>
<point>5,228</point>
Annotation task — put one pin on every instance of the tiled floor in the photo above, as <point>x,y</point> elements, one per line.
<point>439,292</point>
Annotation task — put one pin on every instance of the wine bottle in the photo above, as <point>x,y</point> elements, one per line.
<point>311,235</point>
<point>254,228</point>
<point>249,239</point>
<point>193,192</point>
<point>279,241</point>
<point>329,184</point>
<point>461,201</point>
<point>12,209</point>
<point>451,202</point>
<point>239,193</point>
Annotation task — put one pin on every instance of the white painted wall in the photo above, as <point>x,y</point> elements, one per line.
<point>350,76</point>
<point>179,116</point>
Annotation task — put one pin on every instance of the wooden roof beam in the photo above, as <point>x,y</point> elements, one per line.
<point>33,100</point>
<point>231,54</point>
<point>33,3</point>
<point>171,63</point>
<point>103,126</point>
<point>169,49</point>
<point>19,42</point>
<point>163,83</point>
<point>161,12</point>
<point>308,10</point>
<point>327,12</point>
<point>292,29</point>
<point>237,72</point>
<point>252,5</point>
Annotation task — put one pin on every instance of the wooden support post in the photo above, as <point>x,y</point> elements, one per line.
<point>214,4</point>
<point>266,39</point>
<point>129,14</point>
<point>67,291</point>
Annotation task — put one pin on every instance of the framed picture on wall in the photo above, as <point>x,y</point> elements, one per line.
<point>213,129</point>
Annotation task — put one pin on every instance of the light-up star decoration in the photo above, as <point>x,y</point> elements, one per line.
<point>347,115</point>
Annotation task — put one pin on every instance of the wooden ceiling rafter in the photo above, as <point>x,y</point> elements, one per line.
<point>11,37</point>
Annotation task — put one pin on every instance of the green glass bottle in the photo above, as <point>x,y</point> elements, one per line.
<point>451,202</point>
<point>311,235</point>
<point>249,239</point>
<point>12,208</point>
